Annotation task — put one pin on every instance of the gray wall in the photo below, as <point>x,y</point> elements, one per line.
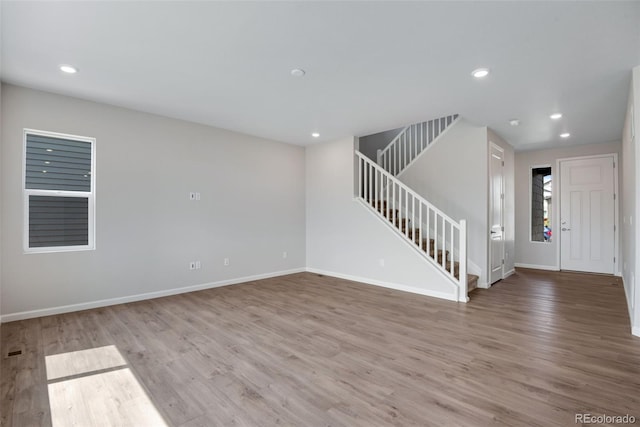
<point>1,198</point>
<point>630,209</point>
<point>1,117</point>
<point>636,122</point>
<point>541,254</point>
<point>346,239</point>
<point>252,206</point>
<point>370,144</point>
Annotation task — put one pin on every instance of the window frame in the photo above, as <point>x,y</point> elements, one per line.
<point>531,169</point>
<point>89,195</point>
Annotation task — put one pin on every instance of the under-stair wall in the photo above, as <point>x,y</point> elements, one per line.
<point>345,239</point>
<point>453,175</point>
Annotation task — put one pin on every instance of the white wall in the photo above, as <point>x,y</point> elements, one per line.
<point>1,350</point>
<point>636,122</point>
<point>147,229</point>
<point>540,254</point>
<point>509,200</point>
<point>345,239</point>
<point>628,206</point>
<point>1,126</point>
<point>452,174</point>
<point>630,184</point>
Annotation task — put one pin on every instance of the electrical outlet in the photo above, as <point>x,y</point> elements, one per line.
<point>197,196</point>
<point>284,254</point>
<point>192,196</point>
<point>192,265</point>
<point>226,262</point>
<point>197,265</point>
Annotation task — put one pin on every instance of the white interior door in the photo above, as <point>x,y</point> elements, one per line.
<point>496,213</point>
<point>587,209</point>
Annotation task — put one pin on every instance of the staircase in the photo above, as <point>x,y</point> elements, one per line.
<point>438,238</point>
<point>410,142</point>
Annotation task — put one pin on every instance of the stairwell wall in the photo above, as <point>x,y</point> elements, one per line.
<point>346,239</point>
<point>370,144</point>
<point>452,174</point>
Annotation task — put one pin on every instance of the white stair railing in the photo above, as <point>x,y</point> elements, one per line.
<point>410,142</point>
<point>417,221</point>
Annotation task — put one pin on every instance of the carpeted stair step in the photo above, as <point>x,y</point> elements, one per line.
<point>403,223</point>
<point>472,282</point>
<point>456,267</point>
<point>433,255</point>
<point>431,245</point>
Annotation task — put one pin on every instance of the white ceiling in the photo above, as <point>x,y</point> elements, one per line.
<point>371,66</point>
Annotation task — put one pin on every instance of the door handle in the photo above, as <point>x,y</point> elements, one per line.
<point>566,229</point>
<point>493,232</point>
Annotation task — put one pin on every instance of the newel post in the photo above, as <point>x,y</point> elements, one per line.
<point>463,293</point>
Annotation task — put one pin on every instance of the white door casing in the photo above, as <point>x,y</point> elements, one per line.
<point>587,214</point>
<point>496,213</point>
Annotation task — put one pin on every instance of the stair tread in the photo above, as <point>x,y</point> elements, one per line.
<point>472,282</point>
<point>404,226</point>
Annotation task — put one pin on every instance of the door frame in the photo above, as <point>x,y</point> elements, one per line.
<point>489,246</point>
<point>616,207</point>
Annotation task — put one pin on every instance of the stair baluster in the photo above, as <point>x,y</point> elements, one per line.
<point>445,245</point>
<point>410,142</point>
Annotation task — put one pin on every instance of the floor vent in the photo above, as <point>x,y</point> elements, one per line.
<point>14,353</point>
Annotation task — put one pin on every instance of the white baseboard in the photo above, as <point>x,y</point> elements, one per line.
<point>629,299</point>
<point>483,285</point>
<point>636,331</point>
<point>398,287</point>
<point>139,297</point>
<point>537,267</point>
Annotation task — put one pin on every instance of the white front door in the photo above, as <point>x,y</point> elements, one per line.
<point>496,213</point>
<point>587,210</point>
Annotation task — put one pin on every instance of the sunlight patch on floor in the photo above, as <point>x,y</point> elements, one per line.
<point>95,387</point>
<point>83,361</point>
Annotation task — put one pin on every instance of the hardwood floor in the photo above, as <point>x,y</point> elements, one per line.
<point>306,350</point>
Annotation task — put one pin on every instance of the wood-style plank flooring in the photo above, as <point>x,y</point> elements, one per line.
<point>306,350</point>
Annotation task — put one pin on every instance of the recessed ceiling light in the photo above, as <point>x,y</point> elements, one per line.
<point>565,135</point>
<point>68,69</point>
<point>47,162</point>
<point>298,72</point>
<point>49,150</point>
<point>315,135</point>
<point>479,73</point>
<point>555,116</point>
<point>514,122</point>
<point>44,171</point>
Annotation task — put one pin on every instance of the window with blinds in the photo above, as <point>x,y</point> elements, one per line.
<point>59,192</point>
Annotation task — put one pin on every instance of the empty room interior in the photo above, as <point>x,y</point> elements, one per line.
<point>313,213</point>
